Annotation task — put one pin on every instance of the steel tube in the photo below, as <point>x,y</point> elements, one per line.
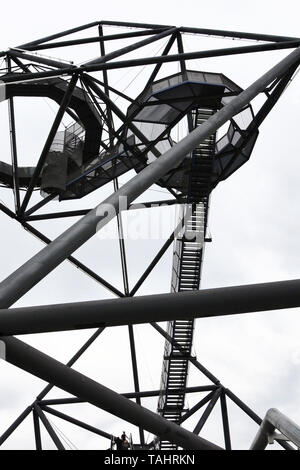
<point>132,47</point>
<point>76,422</point>
<point>46,368</point>
<point>147,394</point>
<point>154,60</point>
<point>274,419</point>
<point>59,35</point>
<point>151,308</point>
<point>89,40</point>
<point>28,275</point>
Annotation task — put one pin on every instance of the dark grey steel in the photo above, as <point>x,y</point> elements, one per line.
<point>273,420</point>
<point>151,308</point>
<point>46,368</point>
<point>49,428</point>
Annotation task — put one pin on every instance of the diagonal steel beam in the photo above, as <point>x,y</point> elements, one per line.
<point>39,364</point>
<point>132,47</point>
<point>76,422</point>
<point>157,60</point>
<point>59,35</point>
<point>208,411</point>
<point>63,106</point>
<point>49,428</point>
<point>89,40</point>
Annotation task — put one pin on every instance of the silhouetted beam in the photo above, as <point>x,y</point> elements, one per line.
<point>109,37</point>
<point>81,212</point>
<point>133,25</point>
<point>149,394</point>
<point>131,47</point>
<point>59,35</point>
<point>151,308</point>
<point>155,60</point>
<point>54,128</point>
<point>28,275</point>
<point>37,58</point>
<point>237,34</point>
<point>46,368</point>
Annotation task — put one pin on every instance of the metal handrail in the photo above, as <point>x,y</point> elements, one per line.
<point>273,420</point>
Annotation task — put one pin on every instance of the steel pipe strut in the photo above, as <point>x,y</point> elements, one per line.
<point>273,420</point>
<point>28,275</point>
<point>151,308</point>
<point>46,368</point>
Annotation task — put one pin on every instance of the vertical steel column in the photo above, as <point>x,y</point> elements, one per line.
<point>37,430</point>
<point>49,428</point>
<point>225,421</point>
<point>13,146</point>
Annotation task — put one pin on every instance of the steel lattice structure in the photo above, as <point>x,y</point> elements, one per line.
<point>103,142</point>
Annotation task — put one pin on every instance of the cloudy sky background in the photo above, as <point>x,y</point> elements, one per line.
<point>254,222</point>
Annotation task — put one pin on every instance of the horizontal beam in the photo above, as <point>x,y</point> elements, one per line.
<point>151,308</point>
<point>42,366</point>
<point>37,58</point>
<point>34,270</point>
<point>237,34</point>
<point>81,212</point>
<point>133,395</point>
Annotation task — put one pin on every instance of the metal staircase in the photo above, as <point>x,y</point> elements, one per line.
<point>186,275</point>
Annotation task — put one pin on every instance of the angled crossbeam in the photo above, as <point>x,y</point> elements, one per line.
<point>131,47</point>
<point>76,422</point>
<point>196,407</point>
<point>49,428</point>
<point>75,262</point>
<point>208,411</point>
<point>59,35</point>
<point>157,60</point>
<point>90,40</point>
<point>81,212</point>
<point>48,388</point>
<point>62,108</point>
<point>39,364</point>
<point>147,394</point>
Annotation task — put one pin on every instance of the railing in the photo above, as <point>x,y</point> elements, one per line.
<point>274,420</point>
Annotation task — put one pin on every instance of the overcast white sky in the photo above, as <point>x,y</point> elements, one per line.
<point>254,221</point>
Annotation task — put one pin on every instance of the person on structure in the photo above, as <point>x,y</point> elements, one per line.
<point>122,443</point>
<point>125,442</point>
